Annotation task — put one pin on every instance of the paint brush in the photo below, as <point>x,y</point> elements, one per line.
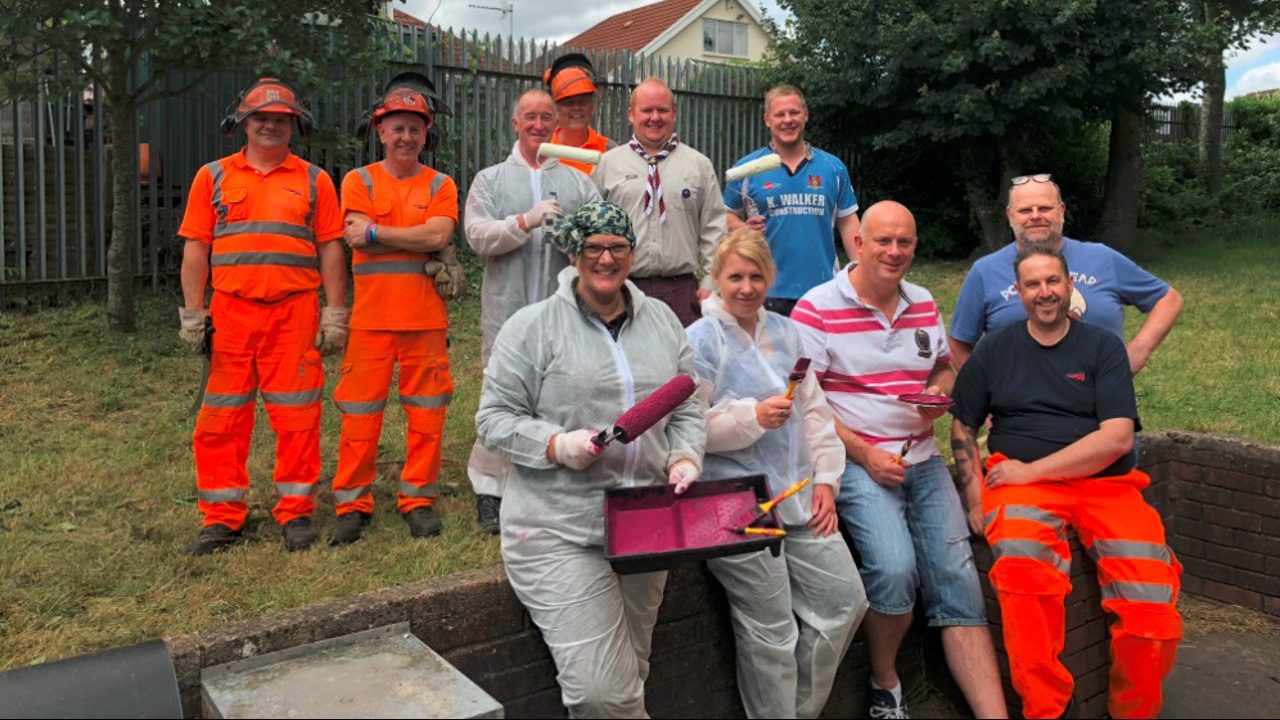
<point>754,515</point>
<point>797,374</point>
<point>906,447</point>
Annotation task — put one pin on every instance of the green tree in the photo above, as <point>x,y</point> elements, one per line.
<point>128,49</point>
<point>985,86</point>
<point>1227,25</point>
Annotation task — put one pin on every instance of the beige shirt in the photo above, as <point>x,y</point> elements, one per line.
<point>695,210</point>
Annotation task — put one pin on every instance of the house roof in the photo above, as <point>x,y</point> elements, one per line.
<point>406,18</point>
<point>634,29</point>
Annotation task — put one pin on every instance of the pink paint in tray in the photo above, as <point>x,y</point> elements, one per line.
<point>652,528</point>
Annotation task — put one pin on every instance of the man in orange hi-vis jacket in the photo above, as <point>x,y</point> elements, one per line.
<point>398,211</point>
<point>1060,396</point>
<point>264,220</point>
<point>571,80</point>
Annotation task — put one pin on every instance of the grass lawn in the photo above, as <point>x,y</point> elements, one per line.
<point>97,491</point>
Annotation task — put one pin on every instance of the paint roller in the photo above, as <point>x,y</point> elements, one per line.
<point>568,152</point>
<point>642,416</point>
<point>746,170</point>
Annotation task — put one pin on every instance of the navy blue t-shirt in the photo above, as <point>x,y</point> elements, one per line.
<point>1042,399</point>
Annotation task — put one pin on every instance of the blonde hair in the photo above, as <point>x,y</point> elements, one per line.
<point>751,245</point>
<point>778,91</point>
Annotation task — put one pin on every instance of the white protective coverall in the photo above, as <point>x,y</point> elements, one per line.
<point>556,369</point>
<point>794,615</point>
<point>520,269</point>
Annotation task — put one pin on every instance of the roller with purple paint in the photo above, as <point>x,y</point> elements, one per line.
<point>644,414</point>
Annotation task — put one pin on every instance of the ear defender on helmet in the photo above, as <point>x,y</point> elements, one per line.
<point>268,95</point>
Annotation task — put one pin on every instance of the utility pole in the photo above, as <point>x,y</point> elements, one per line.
<point>508,10</point>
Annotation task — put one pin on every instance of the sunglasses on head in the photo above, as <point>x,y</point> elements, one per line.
<point>1024,179</point>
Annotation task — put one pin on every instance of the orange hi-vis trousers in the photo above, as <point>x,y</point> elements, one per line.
<point>1138,574</point>
<point>425,391</point>
<point>266,346</point>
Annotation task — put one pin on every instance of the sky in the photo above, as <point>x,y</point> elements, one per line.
<point>1257,68</point>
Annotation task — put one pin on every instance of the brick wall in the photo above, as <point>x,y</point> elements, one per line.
<point>1220,499</point>
<point>476,623</point>
<point>1222,511</point>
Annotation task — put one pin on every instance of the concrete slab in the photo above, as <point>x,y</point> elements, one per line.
<point>1223,674</point>
<point>381,673</point>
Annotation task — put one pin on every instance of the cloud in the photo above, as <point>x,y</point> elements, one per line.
<point>1258,50</point>
<point>1263,77</point>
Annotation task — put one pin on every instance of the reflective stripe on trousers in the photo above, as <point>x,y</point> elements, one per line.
<point>361,396</point>
<point>266,347</point>
<point>1138,574</point>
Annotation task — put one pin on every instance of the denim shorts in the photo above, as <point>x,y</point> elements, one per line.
<point>913,536</point>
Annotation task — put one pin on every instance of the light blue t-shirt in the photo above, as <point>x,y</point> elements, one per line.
<point>1105,278</point>
<point>800,211</point>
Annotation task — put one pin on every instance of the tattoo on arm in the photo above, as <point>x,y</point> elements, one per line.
<point>964,448</point>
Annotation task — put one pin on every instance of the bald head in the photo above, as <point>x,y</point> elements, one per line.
<point>534,120</point>
<point>886,246</point>
<point>887,211</point>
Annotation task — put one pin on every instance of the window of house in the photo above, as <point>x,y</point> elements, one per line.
<point>724,38</point>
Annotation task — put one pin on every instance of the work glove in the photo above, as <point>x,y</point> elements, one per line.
<point>544,209</point>
<point>335,325</point>
<point>450,278</point>
<point>191,332</point>
<point>575,449</point>
<point>683,474</point>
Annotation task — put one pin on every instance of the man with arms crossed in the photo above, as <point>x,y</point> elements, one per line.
<point>1060,396</point>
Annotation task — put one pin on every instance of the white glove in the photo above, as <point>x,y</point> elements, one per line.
<point>546,208</point>
<point>682,475</point>
<point>575,449</point>
<point>335,325</point>
<point>191,332</point>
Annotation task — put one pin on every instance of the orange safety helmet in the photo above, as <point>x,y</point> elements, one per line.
<point>268,94</point>
<point>407,92</point>
<point>403,99</point>
<point>570,75</point>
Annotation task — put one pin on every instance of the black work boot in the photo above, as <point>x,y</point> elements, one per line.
<point>213,538</point>
<point>348,528</point>
<point>423,522</point>
<point>488,508</point>
<point>298,534</point>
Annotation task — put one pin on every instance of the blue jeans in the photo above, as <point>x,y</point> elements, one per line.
<point>913,536</point>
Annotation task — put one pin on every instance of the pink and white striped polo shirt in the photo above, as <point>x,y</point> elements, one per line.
<point>864,362</point>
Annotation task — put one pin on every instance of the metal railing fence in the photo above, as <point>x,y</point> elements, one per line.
<point>55,185</point>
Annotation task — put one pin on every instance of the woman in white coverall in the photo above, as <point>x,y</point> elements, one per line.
<point>794,615</point>
<point>561,370</point>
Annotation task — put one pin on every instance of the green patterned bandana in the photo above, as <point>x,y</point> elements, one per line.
<point>570,233</point>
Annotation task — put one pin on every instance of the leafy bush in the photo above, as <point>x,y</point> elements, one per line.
<point>1172,190</point>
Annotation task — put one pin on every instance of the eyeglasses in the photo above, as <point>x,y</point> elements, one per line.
<point>1024,179</point>
<point>618,252</point>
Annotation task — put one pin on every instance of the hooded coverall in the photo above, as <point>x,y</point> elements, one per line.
<point>397,318</point>
<point>520,269</point>
<point>555,369</point>
<point>794,615</point>
<point>263,228</point>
